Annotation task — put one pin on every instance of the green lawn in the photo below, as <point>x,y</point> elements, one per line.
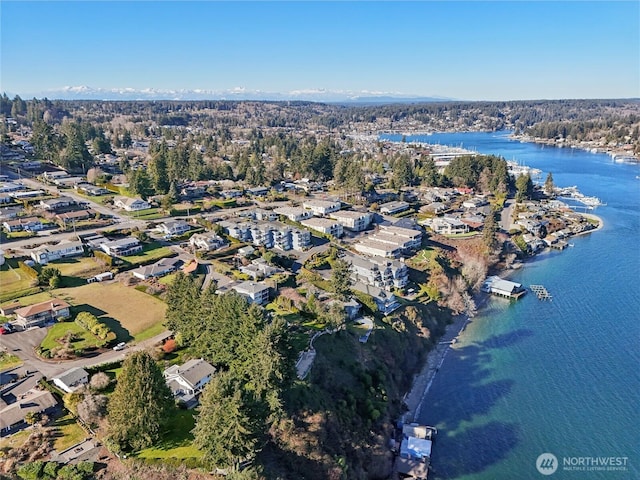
<point>79,266</point>
<point>60,329</point>
<point>148,214</point>
<point>151,252</point>
<point>7,361</point>
<point>16,440</point>
<point>14,283</point>
<point>177,440</point>
<point>68,432</point>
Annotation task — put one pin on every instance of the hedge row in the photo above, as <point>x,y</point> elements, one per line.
<point>92,324</point>
<point>29,271</point>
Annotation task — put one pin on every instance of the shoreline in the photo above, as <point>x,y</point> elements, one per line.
<point>423,380</point>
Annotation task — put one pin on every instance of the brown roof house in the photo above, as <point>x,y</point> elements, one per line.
<point>41,313</point>
<point>187,381</point>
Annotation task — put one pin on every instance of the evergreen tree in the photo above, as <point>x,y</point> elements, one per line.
<point>140,405</point>
<point>341,279</point>
<point>549,186</point>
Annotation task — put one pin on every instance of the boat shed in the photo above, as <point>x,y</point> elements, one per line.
<point>503,288</point>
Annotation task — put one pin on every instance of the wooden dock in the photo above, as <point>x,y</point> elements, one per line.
<point>541,292</point>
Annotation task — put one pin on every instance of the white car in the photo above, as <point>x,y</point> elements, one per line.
<point>120,346</point>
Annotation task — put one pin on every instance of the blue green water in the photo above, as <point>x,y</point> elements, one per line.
<point>563,377</point>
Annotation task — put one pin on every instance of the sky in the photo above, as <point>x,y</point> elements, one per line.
<point>463,50</point>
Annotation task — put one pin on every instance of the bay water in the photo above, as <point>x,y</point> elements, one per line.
<point>563,376</point>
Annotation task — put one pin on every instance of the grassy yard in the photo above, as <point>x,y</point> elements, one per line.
<point>129,313</point>
<point>16,440</point>
<point>14,283</point>
<point>150,253</point>
<point>85,339</point>
<point>176,441</point>
<point>68,432</point>
<point>78,267</point>
<point>8,361</point>
<point>148,214</point>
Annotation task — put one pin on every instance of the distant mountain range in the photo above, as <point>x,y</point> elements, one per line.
<point>84,92</point>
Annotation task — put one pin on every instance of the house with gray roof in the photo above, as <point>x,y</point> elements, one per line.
<point>187,381</point>
<point>72,380</point>
<point>12,416</point>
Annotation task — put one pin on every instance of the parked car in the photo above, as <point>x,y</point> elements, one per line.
<point>4,331</point>
<point>120,346</point>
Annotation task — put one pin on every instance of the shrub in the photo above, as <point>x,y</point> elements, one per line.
<point>169,346</point>
<point>29,271</point>
<point>99,381</point>
<point>103,258</point>
<point>31,471</point>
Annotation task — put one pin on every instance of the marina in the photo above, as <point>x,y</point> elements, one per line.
<point>541,292</point>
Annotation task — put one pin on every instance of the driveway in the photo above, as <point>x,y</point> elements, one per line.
<point>24,344</point>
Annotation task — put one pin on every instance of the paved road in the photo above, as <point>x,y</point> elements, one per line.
<point>23,344</point>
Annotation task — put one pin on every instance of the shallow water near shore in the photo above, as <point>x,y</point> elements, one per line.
<point>558,376</point>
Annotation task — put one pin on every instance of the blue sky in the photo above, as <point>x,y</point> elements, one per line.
<point>464,50</point>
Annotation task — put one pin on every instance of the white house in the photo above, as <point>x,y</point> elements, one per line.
<point>48,253</point>
<point>257,293</point>
<point>130,204</point>
<point>320,208</point>
<point>175,227</point>
<point>448,226</point>
<point>159,269</point>
<point>30,224</point>
<point>207,241</point>
<point>385,301</point>
<point>72,380</point>
<point>122,247</point>
<point>370,246</point>
<point>188,380</point>
<point>379,272</point>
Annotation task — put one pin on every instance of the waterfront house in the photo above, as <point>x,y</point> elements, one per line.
<point>41,313</point>
<point>385,301</point>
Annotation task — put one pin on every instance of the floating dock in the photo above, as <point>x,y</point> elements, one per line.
<point>541,292</point>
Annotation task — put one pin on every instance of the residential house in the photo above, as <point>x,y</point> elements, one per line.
<point>257,293</point>
<point>391,208</point>
<point>91,189</point>
<point>28,224</point>
<point>74,216</point>
<point>187,381</point>
<point>57,204</point>
<point>50,176</point>
<point>122,247</point>
<point>259,268</point>
<point>233,193</point>
<point>385,301</point>
<point>208,241</point>
<point>355,221</point>
<point>130,204</point>
<point>295,214</point>
<point>41,313</point>
<point>324,225</point>
<point>264,215</point>
<point>12,416</point>
<point>65,249</point>
<point>72,380</point>
<point>175,227</point>
<point>320,208</point>
<point>161,268</point>
<point>258,191</point>
<point>503,288</point>
<point>448,225</point>
<point>4,198</point>
<point>474,202</point>
<point>407,238</point>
